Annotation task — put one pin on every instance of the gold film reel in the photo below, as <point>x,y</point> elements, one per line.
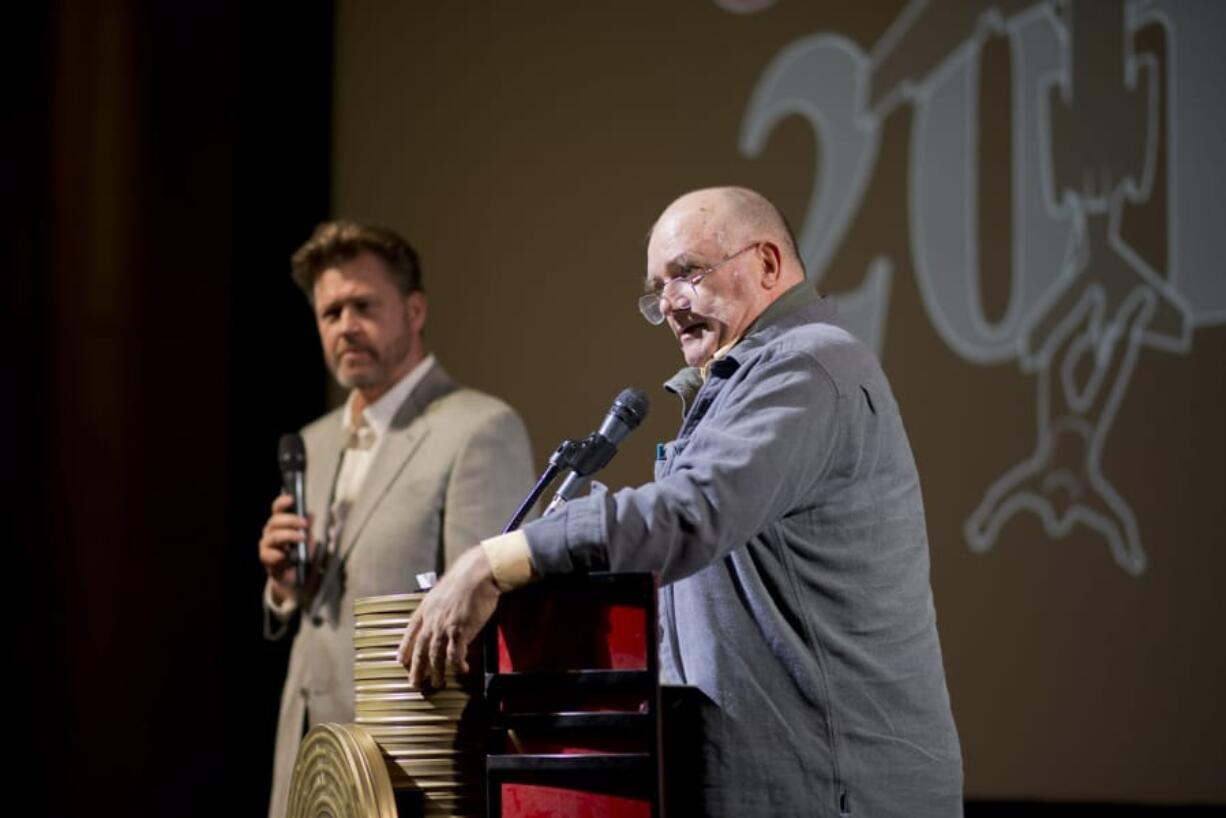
<point>340,773</point>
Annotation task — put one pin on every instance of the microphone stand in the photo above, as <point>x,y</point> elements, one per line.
<point>585,457</point>
<point>565,457</point>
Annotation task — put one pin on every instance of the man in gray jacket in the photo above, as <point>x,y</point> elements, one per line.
<point>787,527</point>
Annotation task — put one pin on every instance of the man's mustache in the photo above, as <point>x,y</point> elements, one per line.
<point>352,347</point>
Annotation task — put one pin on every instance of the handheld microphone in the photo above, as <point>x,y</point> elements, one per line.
<point>291,455</point>
<point>623,417</point>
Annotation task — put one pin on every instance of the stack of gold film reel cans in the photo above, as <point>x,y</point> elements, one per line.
<point>433,740</point>
<point>431,743</point>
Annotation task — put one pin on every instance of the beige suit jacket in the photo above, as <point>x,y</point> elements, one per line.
<point>452,469</point>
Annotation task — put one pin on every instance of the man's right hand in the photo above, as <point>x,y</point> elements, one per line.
<point>282,532</point>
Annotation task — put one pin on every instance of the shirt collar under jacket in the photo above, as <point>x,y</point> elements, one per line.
<point>380,413</point>
<point>688,380</point>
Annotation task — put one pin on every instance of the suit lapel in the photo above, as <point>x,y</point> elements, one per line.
<point>403,436</point>
<point>321,475</point>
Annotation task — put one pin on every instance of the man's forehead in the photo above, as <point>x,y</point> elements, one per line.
<point>682,231</point>
<point>694,213</point>
<point>339,283</point>
<point>363,270</point>
<point>336,280</point>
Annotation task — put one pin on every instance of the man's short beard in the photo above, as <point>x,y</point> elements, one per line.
<point>359,380</point>
<point>382,365</point>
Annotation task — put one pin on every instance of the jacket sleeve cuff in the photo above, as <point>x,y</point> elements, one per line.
<point>276,616</point>
<point>510,559</point>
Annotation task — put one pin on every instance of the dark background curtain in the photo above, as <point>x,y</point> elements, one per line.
<point>165,159</point>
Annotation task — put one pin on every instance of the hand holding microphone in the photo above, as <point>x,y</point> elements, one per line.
<point>291,454</point>
<point>285,545</point>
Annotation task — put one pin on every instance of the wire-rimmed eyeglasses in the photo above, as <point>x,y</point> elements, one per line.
<point>649,303</point>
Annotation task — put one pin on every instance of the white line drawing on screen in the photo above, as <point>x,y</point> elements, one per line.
<point>1085,134</point>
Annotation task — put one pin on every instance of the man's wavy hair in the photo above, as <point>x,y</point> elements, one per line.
<point>336,242</point>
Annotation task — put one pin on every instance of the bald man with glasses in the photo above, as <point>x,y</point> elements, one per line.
<point>787,527</point>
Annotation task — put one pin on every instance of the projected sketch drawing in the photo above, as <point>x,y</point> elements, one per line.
<point>1104,129</point>
<point>1085,133</point>
<point>1062,481</point>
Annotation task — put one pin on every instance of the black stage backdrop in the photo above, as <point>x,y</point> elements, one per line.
<point>163,160</point>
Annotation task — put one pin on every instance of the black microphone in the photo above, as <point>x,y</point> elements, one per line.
<point>291,455</point>
<point>624,416</point>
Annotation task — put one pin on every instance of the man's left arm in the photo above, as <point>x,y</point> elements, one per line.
<point>759,454</point>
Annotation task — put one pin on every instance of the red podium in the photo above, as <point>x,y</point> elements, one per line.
<point>573,700</point>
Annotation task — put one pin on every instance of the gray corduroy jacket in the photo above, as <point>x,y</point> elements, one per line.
<point>787,526</point>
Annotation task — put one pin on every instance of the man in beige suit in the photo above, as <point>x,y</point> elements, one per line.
<point>412,469</point>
